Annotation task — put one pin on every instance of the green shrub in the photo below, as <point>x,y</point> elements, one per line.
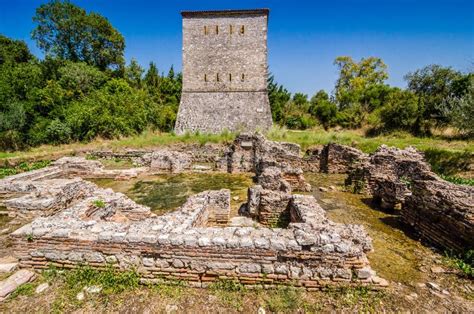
<point>99,203</point>
<point>22,167</point>
<point>400,111</point>
<point>462,261</point>
<point>351,117</point>
<point>58,132</point>
<point>113,111</point>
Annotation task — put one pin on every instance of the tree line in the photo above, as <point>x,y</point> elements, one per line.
<point>436,97</point>
<point>83,89</point>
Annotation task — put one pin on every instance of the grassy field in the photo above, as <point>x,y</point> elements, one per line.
<point>447,156</point>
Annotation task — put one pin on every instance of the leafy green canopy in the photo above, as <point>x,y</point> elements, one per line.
<point>68,32</point>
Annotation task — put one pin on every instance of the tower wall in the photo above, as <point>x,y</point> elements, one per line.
<point>224,72</point>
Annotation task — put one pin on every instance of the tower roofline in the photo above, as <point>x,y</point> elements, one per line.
<point>264,11</point>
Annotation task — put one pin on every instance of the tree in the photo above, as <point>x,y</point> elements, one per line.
<point>134,73</point>
<point>79,79</point>
<point>356,77</point>
<point>13,51</point>
<point>400,111</point>
<point>278,97</point>
<point>66,31</point>
<point>296,114</point>
<point>462,113</point>
<point>433,85</point>
<point>323,109</point>
<point>152,77</point>
<point>115,110</point>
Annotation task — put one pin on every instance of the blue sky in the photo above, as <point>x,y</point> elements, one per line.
<point>304,36</point>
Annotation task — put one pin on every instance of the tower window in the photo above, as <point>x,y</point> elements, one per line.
<point>230,77</point>
<point>242,29</point>
<point>217,77</point>
<point>217,29</point>
<point>205,30</point>
<point>242,77</point>
<point>205,77</point>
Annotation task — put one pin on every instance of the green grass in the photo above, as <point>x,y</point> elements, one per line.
<point>284,299</point>
<point>26,289</point>
<point>110,280</point>
<point>458,180</point>
<point>230,293</point>
<point>98,203</point>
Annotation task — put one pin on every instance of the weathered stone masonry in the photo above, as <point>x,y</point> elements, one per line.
<point>100,227</point>
<point>224,72</point>
<point>440,211</point>
<point>312,252</point>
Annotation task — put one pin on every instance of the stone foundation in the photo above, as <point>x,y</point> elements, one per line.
<point>312,252</point>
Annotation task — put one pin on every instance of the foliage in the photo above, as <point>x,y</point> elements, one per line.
<point>323,109</point>
<point>400,110</point>
<point>433,84</point>
<point>448,162</point>
<point>110,112</point>
<point>229,292</point>
<point>351,117</point>
<point>458,180</point>
<point>460,109</point>
<point>68,32</point>
<point>80,79</point>
<point>26,289</point>
<point>82,90</point>
<point>111,280</point>
<point>278,97</point>
<point>356,77</point>
<point>23,167</point>
<point>463,261</point>
<point>99,203</point>
<point>296,113</point>
<point>13,51</point>
<point>134,73</point>
<point>284,299</point>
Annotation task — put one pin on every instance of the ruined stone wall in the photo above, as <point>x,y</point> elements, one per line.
<point>224,72</point>
<point>337,158</point>
<point>440,212</point>
<point>313,252</point>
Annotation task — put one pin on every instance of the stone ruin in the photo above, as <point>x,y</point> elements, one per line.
<point>440,211</point>
<point>292,241</point>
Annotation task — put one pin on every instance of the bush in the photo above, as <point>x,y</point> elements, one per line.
<point>114,110</point>
<point>11,140</point>
<point>300,122</point>
<point>323,109</point>
<point>58,132</point>
<point>80,78</point>
<point>400,112</point>
<point>351,117</point>
<point>462,111</point>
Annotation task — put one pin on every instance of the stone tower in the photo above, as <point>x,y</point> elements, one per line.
<point>224,72</point>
